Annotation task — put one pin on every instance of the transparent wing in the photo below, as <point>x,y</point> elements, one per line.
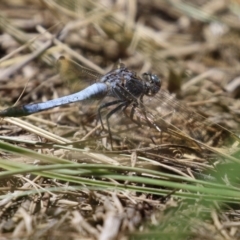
<point>167,114</point>
<point>75,75</point>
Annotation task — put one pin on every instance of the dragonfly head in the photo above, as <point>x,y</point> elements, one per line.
<point>153,83</point>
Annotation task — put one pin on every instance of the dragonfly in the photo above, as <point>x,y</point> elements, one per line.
<point>162,111</point>
<point>122,84</point>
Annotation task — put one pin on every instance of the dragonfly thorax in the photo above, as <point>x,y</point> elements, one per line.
<point>127,86</point>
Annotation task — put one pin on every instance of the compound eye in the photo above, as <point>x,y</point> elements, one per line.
<point>155,79</point>
<point>152,79</point>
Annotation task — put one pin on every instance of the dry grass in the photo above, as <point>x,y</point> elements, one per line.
<point>176,176</point>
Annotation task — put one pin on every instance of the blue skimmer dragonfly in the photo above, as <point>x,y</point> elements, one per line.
<point>126,89</point>
<point>122,84</point>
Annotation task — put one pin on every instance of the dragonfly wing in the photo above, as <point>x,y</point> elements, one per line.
<point>169,114</point>
<point>74,75</point>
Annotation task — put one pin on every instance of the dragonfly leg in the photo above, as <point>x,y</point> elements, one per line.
<point>122,104</point>
<point>104,106</point>
<point>109,115</point>
<point>131,113</point>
